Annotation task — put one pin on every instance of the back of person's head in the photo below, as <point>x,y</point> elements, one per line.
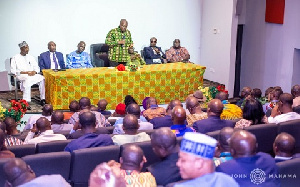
<point>178,115</point>
<point>11,125</point>
<point>132,157</point>
<point>295,91</point>
<point>191,104</point>
<point>268,91</point>
<point>174,103</point>
<point>284,145</point>
<point>245,92</point>
<point>222,96</point>
<point>74,106</point>
<point>43,124</point>
<point>253,111</point>
<point>242,144</point>
<point>17,172</point>
<point>47,110</point>
<point>87,120</point>
<point>84,102</point>
<point>276,93</point>
<point>130,123</point>
<point>215,107</point>
<point>198,95</point>
<point>286,99</point>
<point>134,109</point>
<point>2,138</point>
<point>57,117</point>
<point>164,142</point>
<point>129,100</point>
<point>2,126</point>
<point>223,139</point>
<point>102,103</point>
<point>256,93</point>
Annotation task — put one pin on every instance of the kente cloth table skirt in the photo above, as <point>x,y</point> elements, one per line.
<point>165,82</point>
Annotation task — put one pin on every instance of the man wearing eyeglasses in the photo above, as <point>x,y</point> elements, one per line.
<point>154,54</point>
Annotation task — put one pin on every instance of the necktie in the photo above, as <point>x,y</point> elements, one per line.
<point>55,62</point>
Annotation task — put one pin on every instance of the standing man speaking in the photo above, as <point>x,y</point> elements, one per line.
<point>118,40</point>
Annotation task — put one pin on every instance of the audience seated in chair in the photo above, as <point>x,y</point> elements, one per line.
<point>43,127</point>
<point>18,173</point>
<point>179,126</point>
<point>223,149</point>
<point>4,152</point>
<point>246,160</point>
<point>153,110</point>
<point>252,114</point>
<point>197,166</point>
<point>194,107</point>
<point>87,121</point>
<point>58,124</point>
<point>230,111</point>
<point>283,147</point>
<point>130,127</point>
<point>102,103</point>
<point>246,91</point>
<point>165,121</point>
<point>213,122</point>
<point>12,134</point>
<point>164,145</point>
<point>295,91</point>
<point>283,111</point>
<point>85,103</point>
<point>274,98</point>
<point>47,111</point>
<point>74,107</point>
<point>131,163</point>
<point>135,110</point>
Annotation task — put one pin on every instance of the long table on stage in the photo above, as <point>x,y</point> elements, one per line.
<point>163,81</point>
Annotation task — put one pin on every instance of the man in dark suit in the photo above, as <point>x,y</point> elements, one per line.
<point>51,59</point>
<point>213,122</point>
<point>154,54</point>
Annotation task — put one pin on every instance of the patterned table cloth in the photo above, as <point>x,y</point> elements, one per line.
<point>163,81</point>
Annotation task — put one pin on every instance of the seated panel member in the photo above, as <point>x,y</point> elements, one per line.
<point>154,54</point>
<point>177,53</point>
<point>52,59</point>
<point>134,58</point>
<point>26,69</point>
<point>79,59</point>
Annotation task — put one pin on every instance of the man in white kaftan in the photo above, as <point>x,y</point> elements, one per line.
<point>26,69</point>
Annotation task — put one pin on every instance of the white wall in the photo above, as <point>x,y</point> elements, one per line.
<point>268,49</point>
<point>218,50</point>
<point>67,22</point>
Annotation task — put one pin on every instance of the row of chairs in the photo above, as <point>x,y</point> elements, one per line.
<point>77,166</point>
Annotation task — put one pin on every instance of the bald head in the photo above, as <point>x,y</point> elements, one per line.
<point>284,145</point>
<point>178,115</point>
<point>224,136</point>
<point>245,92</point>
<point>47,110</point>
<point>286,99</point>
<point>242,144</point>
<point>163,142</point>
<point>74,106</point>
<point>215,107</point>
<point>295,91</point>
<point>130,123</point>
<point>17,172</point>
<point>134,109</point>
<point>172,104</point>
<point>222,96</point>
<point>84,102</point>
<point>102,104</point>
<point>57,117</point>
<point>132,157</point>
<point>191,102</point>
<point>87,119</point>
<point>43,124</point>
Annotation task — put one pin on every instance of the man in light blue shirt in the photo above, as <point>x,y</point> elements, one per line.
<point>79,59</point>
